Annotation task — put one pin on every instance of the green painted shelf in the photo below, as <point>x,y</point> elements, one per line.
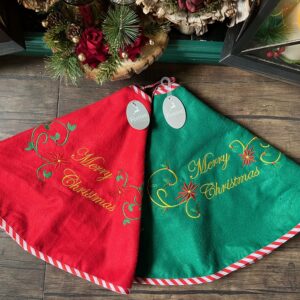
<point>178,51</point>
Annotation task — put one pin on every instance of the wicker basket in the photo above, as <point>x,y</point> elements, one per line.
<point>128,68</point>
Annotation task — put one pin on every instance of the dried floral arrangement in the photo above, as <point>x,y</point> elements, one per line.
<point>110,40</point>
<point>193,16</point>
<point>38,5</point>
<point>101,40</point>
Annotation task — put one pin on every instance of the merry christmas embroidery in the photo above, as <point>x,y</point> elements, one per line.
<point>250,154</point>
<point>46,139</point>
<point>93,162</point>
<point>72,181</point>
<point>207,163</point>
<point>52,134</point>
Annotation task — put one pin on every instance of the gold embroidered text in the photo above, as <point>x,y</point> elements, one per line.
<point>72,181</point>
<point>92,162</point>
<point>208,162</point>
<point>214,189</point>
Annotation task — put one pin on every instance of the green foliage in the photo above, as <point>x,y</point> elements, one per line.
<point>272,31</point>
<point>55,38</point>
<point>71,127</point>
<point>108,68</point>
<point>64,66</point>
<point>121,26</point>
<point>154,27</point>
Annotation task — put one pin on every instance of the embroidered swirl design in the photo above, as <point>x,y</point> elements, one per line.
<point>129,208</point>
<point>44,137</point>
<point>268,156</point>
<point>161,193</point>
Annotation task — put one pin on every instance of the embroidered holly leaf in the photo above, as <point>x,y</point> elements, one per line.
<point>71,127</point>
<point>55,137</point>
<point>30,146</point>
<point>131,206</point>
<point>126,221</point>
<point>119,177</point>
<point>46,174</point>
<point>47,126</point>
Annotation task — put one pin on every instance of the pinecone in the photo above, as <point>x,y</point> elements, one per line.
<point>74,32</point>
<point>52,19</point>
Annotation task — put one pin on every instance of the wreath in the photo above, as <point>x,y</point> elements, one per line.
<point>101,41</point>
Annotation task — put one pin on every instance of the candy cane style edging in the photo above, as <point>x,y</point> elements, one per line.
<point>23,244</point>
<point>249,259</point>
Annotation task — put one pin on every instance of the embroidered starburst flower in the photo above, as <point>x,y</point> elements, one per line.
<point>188,191</point>
<point>247,157</point>
<point>57,159</point>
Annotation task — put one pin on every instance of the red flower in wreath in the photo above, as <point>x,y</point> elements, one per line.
<point>188,191</point>
<point>247,157</point>
<point>190,5</point>
<point>92,46</point>
<point>134,50</point>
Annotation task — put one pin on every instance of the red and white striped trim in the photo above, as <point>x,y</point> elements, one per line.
<point>250,259</point>
<point>141,93</point>
<point>164,88</point>
<point>23,244</point>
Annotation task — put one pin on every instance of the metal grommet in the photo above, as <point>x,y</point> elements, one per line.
<point>166,81</point>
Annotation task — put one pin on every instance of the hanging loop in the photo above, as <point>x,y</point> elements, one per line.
<point>165,81</point>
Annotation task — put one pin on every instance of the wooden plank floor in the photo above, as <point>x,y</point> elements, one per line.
<point>269,108</point>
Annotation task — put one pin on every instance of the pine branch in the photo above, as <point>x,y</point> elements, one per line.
<point>272,31</point>
<point>152,28</point>
<point>121,26</point>
<point>67,67</point>
<point>107,69</point>
<point>55,38</point>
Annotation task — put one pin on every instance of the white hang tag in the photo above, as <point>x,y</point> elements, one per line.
<point>137,115</point>
<point>174,112</point>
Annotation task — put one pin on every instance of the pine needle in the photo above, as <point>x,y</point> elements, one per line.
<point>272,31</point>
<point>152,28</point>
<point>55,38</point>
<point>61,66</point>
<point>107,69</point>
<point>121,26</point>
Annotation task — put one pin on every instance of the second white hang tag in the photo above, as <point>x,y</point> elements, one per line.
<point>174,112</point>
